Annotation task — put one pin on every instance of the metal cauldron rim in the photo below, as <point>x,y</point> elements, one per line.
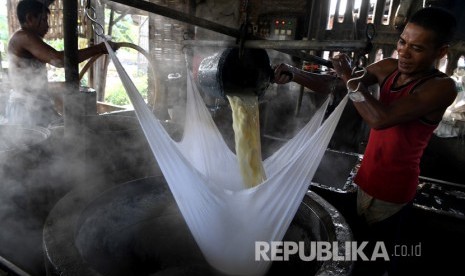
<point>62,222</point>
<point>37,129</point>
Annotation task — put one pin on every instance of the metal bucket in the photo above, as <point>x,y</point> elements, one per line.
<point>227,72</point>
<point>136,229</point>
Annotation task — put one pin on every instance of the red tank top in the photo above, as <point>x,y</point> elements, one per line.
<point>391,163</point>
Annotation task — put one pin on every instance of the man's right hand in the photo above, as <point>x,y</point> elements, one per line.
<point>114,45</point>
<point>283,73</point>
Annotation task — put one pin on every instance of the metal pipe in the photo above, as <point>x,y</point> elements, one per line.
<point>12,267</point>
<point>334,45</point>
<point>186,18</point>
<point>291,47</point>
<point>76,104</point>
<point>70,37</point>
<point>310,20</point>
<point>72,107</point>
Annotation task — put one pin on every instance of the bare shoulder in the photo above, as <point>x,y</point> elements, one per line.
<point>19,35</point>
<point>14,41</point>
<point>441,89</point>
<point>23,39</point>
<point>27,44</point>
<point>17,42</point>
<point>442,83</point>
<point>383,68</point>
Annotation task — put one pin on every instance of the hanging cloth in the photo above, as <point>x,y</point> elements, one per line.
<point>224,217</point>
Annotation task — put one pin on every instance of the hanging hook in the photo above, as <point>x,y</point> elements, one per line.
<point>361,59</point>
<point>245,28</point>
<point>356,78</point>
<point>93,20</point>
<point>360,62</point>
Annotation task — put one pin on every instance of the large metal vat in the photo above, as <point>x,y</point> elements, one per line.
<point>136,229</point>
<point>16,137</point>
<point>20,144</point>
<point>24,196</point>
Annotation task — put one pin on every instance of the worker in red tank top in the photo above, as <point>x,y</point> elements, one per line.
<point>413,99</point>
<point>390,166</point>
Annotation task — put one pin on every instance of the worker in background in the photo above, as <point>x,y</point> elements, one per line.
<point>412,101</point>
<point>31,102</point>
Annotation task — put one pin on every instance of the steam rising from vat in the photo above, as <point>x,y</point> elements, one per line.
<point>31,183</point>
<point>31,178</point>
<point>36,176</point>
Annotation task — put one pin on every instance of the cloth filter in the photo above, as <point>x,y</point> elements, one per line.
<point>224,217</point>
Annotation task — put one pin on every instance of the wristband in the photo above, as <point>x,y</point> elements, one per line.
<point>356,96</point>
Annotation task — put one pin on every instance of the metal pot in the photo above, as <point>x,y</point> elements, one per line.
<point>229,72</point>
<point>136,229</point>
<point>17,137</point>
<point>21,147</point>
<point>25,196</point>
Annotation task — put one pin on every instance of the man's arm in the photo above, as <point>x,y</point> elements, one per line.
<point>428,101</point>
<point>319,83</point>
<point>95,50</point>
<point>33,44</point>
<point>376,72</point>
<point>29,45</point>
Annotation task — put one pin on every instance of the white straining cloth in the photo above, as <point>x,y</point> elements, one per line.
<point>203,174</point>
